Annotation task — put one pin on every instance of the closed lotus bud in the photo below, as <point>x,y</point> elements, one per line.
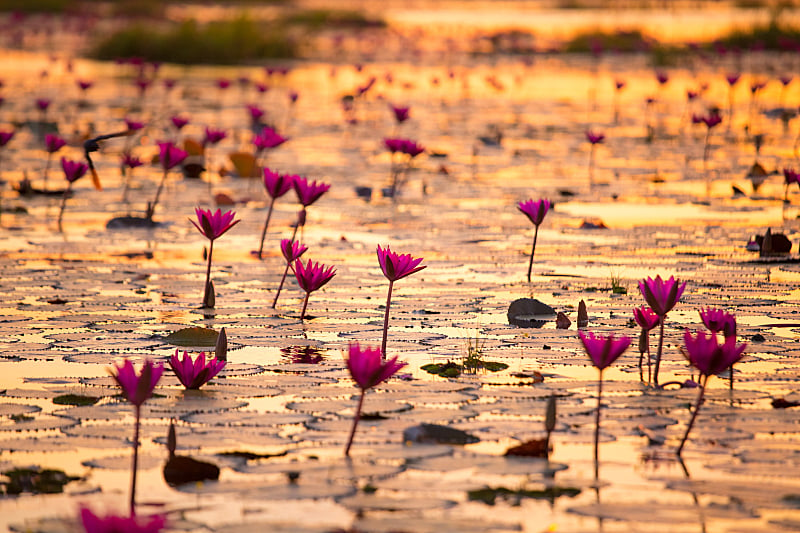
<point>221,349</point>
<point>550,414</point>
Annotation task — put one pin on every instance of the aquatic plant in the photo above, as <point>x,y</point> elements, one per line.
<point>170,156</point>
<point>267,139</point>
<point>535,210</point>
<point>732,78</point>
<point>710,357</point>
<point>291,250</point>
<point>53,143</point>
<point>394,266</point>
<point>603,351</point>
<point>400,167</point>
<point>661,296</point>
<point>307,192</point>
<point>93,523</point>
<point>647,319</point>
<point>213,136</point>
<point>594,139</point>
<point>368,368</point>
<point>73,171</point>
<point>212,225</point>
<point>400,113</point>
<point>194,374</point>
<point>276,186</point>
<point>137,389</point>
<point>5,138</point>
<point>311,277</point>
<point>619,85</point>
<point>790,176</point>
<point>128,162</point>
<point>711,120</point>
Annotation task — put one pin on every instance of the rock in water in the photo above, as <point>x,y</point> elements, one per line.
<point>529,313</point>
<point>562,321</point>
<point>435,434</point>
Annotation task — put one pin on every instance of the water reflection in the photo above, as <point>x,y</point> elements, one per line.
<point>302,354</point>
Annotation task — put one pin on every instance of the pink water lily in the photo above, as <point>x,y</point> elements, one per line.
<point>170,156</point>
<point>73,171</point>
<point>307,192</point>
<point>133,125</point>
<point>194,374</point>
<point>790,176</point>
<point>268,138</point>
<point>645,317</point>
<point>399,169</point>
<point>6,136</point>
<point>368,369</point>
<point>401,114</point>
<point>311,277</point>
<point>535,210</point>
<point>661,296</point>
<point>136,388</point>
<point>179,122</point>
<point>53,143</point>
<point>717,320</point>
<point>291,250</point>
<point>647,320</point>
<point>93,523</point>
<point>213,136</point>
<point>603,351</point>
<point>276,186</point>
<point>394,266</point>
<point>594,137</point>
<point>707,355</point>
<point>213,225</point>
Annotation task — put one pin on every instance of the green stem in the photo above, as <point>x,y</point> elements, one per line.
<point>386,320</point>
<point>356,419</point>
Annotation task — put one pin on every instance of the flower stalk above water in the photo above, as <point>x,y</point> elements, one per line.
<point>394,266</point>
<point>276,186</point>
<point>603,351</point>
<point>710,357</point>
<point>291,252</point>
<point>212,225</point>
<point>647,319</point>
<point>73,171</point>
<point>311,277</point>
<point>170,156</point>
<point>594,139</point>
<point>136,388</point>
<point>307,192</point>
<point>368,369</point>
<point>790,176</point>
<point>661,296</point>
<point>535,210</point>
<point>53,143</point>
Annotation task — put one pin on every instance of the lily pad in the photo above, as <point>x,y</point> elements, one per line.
<point>193,337</point>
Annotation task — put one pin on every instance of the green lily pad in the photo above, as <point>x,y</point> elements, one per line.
<point>193,337</point>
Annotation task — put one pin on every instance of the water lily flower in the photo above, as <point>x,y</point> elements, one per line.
<point>73,171</point>
<point>42,104</point>
<point>293,96</point>
<point>256,113</point>
<point>710,357</point>
<point>719,320</point>
<point>401,114</point>
<point>93,523</point>
<point>662,77</point>
<point>84,85</point>
<point>368,369</point>
<point>535,210</point>
<point>179,122</point>
<point>170,156</point>
<point>594,138</point>
<point>291,250</point>
<point>268,138</point>
<point>307,192</point>
<point>661,296</point>
<point>128,162</point>
<point>133,125</point>
<point>194,374</point>
<point>213,136</point>
<point>647,320</point>
<point>400,169</point>
<point>5,137</point>
<point>53,143</point>
<point>136,388</point>
<point>790,176</point>
<point>311,277</point>
<point>276,186</point>
<point>212,225</point>
<point>394,266</point>
<point>603,351</point>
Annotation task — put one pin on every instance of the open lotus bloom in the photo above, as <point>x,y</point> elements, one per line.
<point>710,357</point>
<point>367,367</point>
<point>603,350</point>
<point>195,374</point>
<point>213,224</point>
<point>397,266</point>
<point>661,295</point>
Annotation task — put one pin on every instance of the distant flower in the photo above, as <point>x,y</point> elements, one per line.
<point>394,266</point>
<point>261,87</point>
<point>223,83</point>
<point>256,113</point>
<point>717,320</point>
<point>732,78</point>
<point>268,138</point>
<point>42,104</point>
<point>293,96</point>
<point>214,224</point>
<point>619,84</point>
<point>213,136</point>
<point>133,125</point>
<point>120,524</point>
<point>662,77</point>
<point>401,114</point>
<point>311,277</point>
<point>73,170</point>
<point>84,85</point>
<point>594,138</point>
<point>142,84</point>
<point>535,210</point>
<point>790,176</point>
<point>367,368</point>
<point>179,122</point>
<point>53,143</point>
<point>276,186</point>
<point>309,192</point>
<point>691,95</point>
<point>170,155</point>
<point>194,374</point>
<point>711,119</point>
<point>785,80</point>
<point>169,83</point>
<point>292,251</point>
<point>6,136</point>
<point>130,161</point>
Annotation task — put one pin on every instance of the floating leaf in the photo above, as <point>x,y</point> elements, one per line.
<point>193,337</point>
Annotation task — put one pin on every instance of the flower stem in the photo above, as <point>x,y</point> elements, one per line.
<point>264,231</point>
<point>63,205</point>
<point>135,465</point>
<point>206,295</point>
<point>533,250</point>
<point>305,304</point>
<point>47,170</point>
<point>283,279</point>
<point>151,209</point>
<point>697,405</point>
<point>597,425</point>
<point>356,418</point>
<point>386,320</point>
<point>660,349</point>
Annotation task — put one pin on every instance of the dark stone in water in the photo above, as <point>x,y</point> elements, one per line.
<point>529,313</point>
<point>773,244</point>
<point>127,222</point>
<point>365,193</point>
<point>436,434</point>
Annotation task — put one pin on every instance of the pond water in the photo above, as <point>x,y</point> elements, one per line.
<point>74,302</point>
